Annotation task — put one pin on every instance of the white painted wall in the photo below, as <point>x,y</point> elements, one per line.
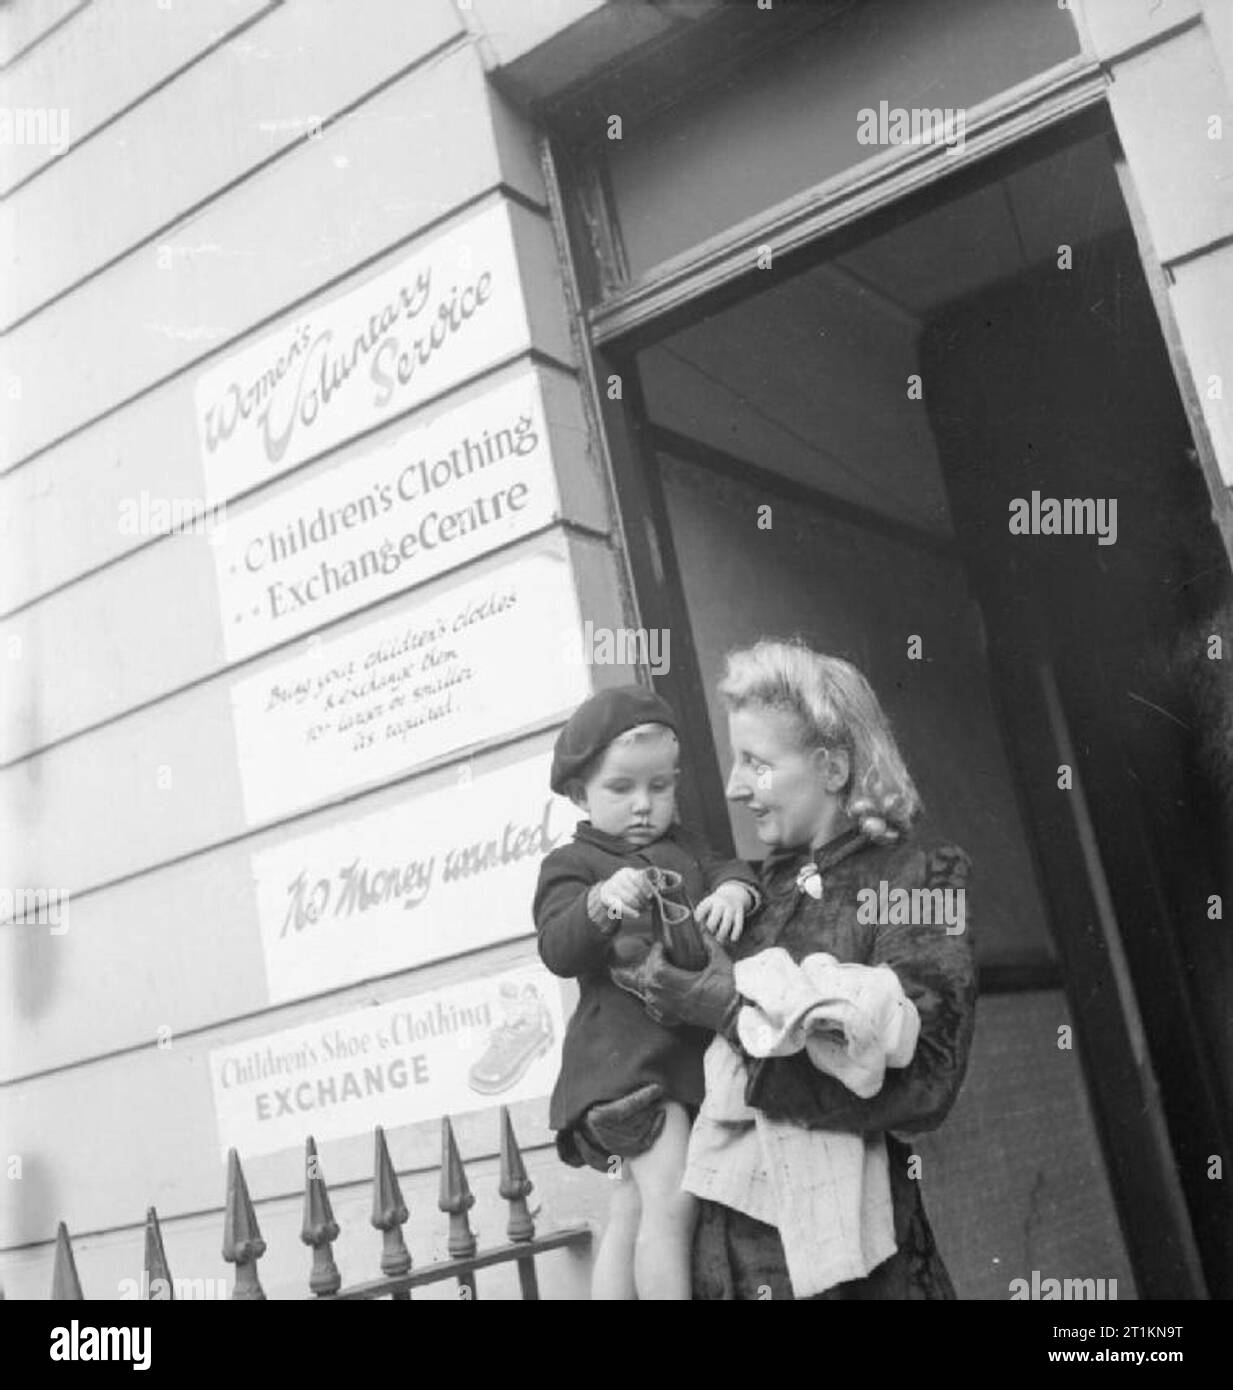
<point>195,217</point>
<point>1171,95</point>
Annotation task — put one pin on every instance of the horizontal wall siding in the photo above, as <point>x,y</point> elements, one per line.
<point>23,27</point>
<point>166,782</point>
<point>103,1140</point>
<point>1113,28</point>
<point>215,224</point>
<point>1201,292</point>
<point>1218,16</point>
<point>151,624</point>
<point>1163,101</point>
<point>182,945</point>
<point>107,56</point>
<point>275,84</point>
<point>1171,94</point>
<point>78,489</point>
<point>385,171</point>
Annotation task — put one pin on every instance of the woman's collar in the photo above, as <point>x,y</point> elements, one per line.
<point>825,857</point>
<point>839,847</point>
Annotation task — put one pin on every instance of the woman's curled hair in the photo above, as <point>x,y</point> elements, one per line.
<point>834,707</point>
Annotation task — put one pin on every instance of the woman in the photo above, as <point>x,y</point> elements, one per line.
<point>815,764</point>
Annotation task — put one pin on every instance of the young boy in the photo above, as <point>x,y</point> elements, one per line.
<point>616,759</point>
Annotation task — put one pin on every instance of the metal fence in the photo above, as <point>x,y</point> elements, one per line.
<point>243,1245</point>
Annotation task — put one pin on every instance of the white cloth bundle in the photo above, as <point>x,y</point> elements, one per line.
<point>827,1193</point>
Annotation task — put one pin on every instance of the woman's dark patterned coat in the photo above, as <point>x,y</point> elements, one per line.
<point>736,1257</point>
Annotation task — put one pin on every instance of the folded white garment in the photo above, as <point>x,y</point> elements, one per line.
<point>827,1193</point>
<point>853,1020</point>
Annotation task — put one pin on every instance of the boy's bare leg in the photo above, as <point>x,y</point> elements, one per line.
<point>665,1232</point>
<point>612,1274</point>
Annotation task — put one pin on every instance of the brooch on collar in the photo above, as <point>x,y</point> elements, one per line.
<point>809,880</point>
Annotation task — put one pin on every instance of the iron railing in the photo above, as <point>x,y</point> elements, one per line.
<point>243,1245</point>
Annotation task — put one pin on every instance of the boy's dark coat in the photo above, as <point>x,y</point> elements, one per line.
<point>612,1047</point>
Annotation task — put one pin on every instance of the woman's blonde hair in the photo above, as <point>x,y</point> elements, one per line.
<point>834,707</point>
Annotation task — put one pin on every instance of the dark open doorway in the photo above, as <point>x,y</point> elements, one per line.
<point>1057,385</point>
<point>886,403</point>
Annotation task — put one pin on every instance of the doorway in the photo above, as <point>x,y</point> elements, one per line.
<point>835,456</point>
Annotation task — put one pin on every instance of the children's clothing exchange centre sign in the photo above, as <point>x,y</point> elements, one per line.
<point>485,658</point>
<point>441,873</point>
<point>491,1041</point>
<point>448,310</point>
<point>442,492</point>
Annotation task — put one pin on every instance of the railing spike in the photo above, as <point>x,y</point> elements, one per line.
<point>457,1200</point>
<point>242,1242</point>
<point>65,1284</point>
<point>319,1229</point>
<point>456,1197</point>
<point>389,1214</point>
<point>515,1186</point>
<point>156,1259</point>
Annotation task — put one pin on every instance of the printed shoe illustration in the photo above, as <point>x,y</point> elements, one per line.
<point>523,1035</point>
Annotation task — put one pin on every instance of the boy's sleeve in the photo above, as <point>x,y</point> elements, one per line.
<point>570,944</point>
<point>937,972</point>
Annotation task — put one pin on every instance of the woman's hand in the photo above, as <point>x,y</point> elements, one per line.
<point>705,998</point>
<point>723,911</point>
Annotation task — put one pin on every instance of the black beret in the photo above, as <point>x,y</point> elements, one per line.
<point>597,721</point>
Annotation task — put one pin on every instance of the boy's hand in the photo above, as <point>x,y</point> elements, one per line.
<point>625,893</point>
<point>723,911</point>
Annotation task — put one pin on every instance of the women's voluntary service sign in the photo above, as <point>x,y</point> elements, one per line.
<point>445,312</point>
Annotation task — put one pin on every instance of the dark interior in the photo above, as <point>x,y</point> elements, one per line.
<point>1058,382</point>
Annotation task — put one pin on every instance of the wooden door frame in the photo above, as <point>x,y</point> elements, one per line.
<point>612,319</point>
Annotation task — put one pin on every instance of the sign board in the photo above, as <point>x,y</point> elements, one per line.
<point>446,311</point>
<point>492,1041</point>
<point>484,658</point>
<point>442,873</point>
<point>442,492</point>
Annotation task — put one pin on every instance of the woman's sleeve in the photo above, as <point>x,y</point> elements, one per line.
<point>570,944</point>
<point>938,973</point>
